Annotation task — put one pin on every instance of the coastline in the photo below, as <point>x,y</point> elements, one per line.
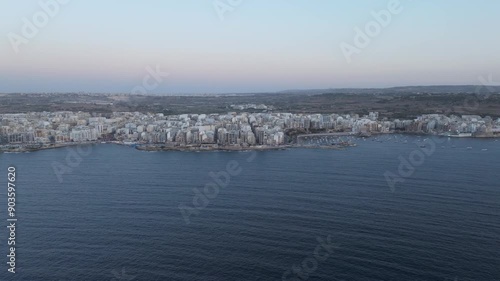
<point>31,148</point>
<point>23,148</point>
<point>161,147</point>
<point>237,148</point>
<point>200,149</point>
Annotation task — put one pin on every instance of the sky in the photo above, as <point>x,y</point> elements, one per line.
<point>230,46</point>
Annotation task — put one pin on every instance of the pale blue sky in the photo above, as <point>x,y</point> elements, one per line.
<point>261,45</point>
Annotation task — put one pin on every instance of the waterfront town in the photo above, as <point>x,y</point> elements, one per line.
<point>38,130</point>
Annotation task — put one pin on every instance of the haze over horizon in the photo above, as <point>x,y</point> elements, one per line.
<point>258,46</point>
<point>470,88</point>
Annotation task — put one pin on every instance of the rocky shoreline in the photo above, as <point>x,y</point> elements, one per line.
<point>33,148</point>
<point>158,147</point>
<point>235,148</point>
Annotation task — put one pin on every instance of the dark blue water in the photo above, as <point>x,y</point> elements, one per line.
<point>116,215</point>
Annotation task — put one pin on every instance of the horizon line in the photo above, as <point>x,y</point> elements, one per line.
<point>259,92</point>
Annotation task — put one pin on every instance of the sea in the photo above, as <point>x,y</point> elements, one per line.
<point>395,207</point>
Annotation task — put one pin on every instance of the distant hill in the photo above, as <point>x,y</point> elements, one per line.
<point>440,89</point>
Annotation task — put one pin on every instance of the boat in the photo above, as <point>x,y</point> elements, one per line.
<point>462,135</point>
